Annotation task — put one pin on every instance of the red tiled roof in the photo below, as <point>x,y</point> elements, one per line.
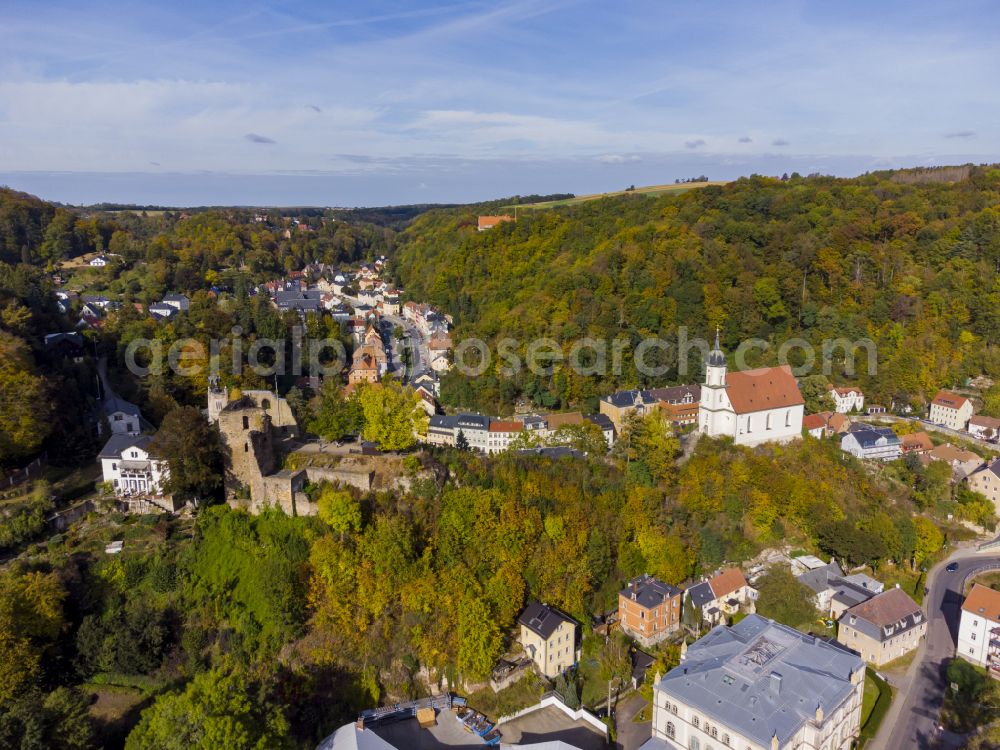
<point>983,601</point>
<point>813,421</point>
<point>765,388</point>
<point>500,426</point>
<point>728,581</point>
<point>949,400</point>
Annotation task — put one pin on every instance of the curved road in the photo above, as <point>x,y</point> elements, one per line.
<point>912,720</point>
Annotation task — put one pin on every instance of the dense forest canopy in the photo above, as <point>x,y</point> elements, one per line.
<point>901,258</point>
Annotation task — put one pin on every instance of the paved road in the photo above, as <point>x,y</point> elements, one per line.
<point>912,720</point>
<point>631,735</point>
<point>416,344</point>
<point>928,426</point>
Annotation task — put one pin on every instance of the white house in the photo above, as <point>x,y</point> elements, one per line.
<point>178,301</point>
<point>130,468</point>
<point>123,416</point>
<point>979,628</point>
<point>751,407</point>
<point>98,261</point>
<point>951,410</point>
<point>984,428</point>
<point>847,400</point>
<point>759,685</point>
<point>871,443</point>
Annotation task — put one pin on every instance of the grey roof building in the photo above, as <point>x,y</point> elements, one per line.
<point>542,619</point>
<point>759,684</point>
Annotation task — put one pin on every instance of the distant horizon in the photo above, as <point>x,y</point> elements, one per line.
<point>458,101</point>
<point>497,180</point>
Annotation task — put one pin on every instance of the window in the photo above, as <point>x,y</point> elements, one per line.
<point>246,447</point>
<point>118,417</point>
<point>671,731</point>
<point>714,732</point>
<point>693,744</point>
<point>695,722</point>
<point>973,636</point>
<point>725,739</point>
<point>246,423</point>
<point>788,418</point>
<point>114,467</point>
<point>767,424</point>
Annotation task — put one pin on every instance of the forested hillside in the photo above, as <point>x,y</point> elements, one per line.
<point>902,258</point>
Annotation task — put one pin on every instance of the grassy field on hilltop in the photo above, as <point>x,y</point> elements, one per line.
<point>675,188</point>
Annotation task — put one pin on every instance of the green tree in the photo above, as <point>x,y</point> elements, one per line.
<point>24,418</point>
<point>781,597</point>
<point>335,417</point>
<point>192,450</point>
<point>816,394</point>
<point>339,510</point>
<point>929,540</point>
<point>215,710</point>
<point>393,416</point>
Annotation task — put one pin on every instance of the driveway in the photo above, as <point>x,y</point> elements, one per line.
<point>631,735</point>
<point>912,719</point>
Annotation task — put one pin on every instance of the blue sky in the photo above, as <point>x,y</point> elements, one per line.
<point>377,102</point>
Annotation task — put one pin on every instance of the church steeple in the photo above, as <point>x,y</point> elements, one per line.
<point>715,367</point>
<point>716,358</point>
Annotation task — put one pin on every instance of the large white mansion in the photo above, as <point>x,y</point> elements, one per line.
<point>751,407</point>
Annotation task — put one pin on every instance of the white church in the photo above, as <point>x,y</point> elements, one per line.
<point>751,407</point>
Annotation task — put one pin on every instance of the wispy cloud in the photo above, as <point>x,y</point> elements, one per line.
<point>315,109</point>
<point>696,143</point>
<point>961,134</point>
<point>745,139</point>
<point>780,142</point>
<point>255,138</point>
<point>619,158</point>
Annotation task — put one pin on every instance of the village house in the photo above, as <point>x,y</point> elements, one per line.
<point>951,410</point>
<point>364,368</point>
<point>984,428</point>
<point>762,685</point>
<point>847,399</point>
<point>123,417</point>
<point>99,261</point>
<point>834,592</point>
<point>962,462</point>
<point>178,301</point>
<point>620,404</point>
<point>884,628</point>
<point>679,404</point>
<point>979,628</point>
<point>488,222</point>
<point>649,610</point>
<point>871,443</point>
<point>549,638</point>
<point>751,407</point>
<point>501,433</point>
<point>918,443</point>
<point>814,425</point>
<point>986,481</point>
<point>135,474</point>
<point>821,581</point>
<point>722,595</point>
<point>441,430</point>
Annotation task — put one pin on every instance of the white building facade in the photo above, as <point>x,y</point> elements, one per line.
<point>759,685</point>
<point>979,628</point>
<point>847,400</point>
<point>751,407</point>
<point>128,466</point>
<point>951,410</point>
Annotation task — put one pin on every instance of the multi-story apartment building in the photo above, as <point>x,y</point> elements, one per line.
<point>951,410</point>
<point>549,638</point>
<point>649,610</point>
<point>979,628</point>
<point>847,400</point>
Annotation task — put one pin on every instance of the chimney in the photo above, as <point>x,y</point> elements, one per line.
<point>775,683</point>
